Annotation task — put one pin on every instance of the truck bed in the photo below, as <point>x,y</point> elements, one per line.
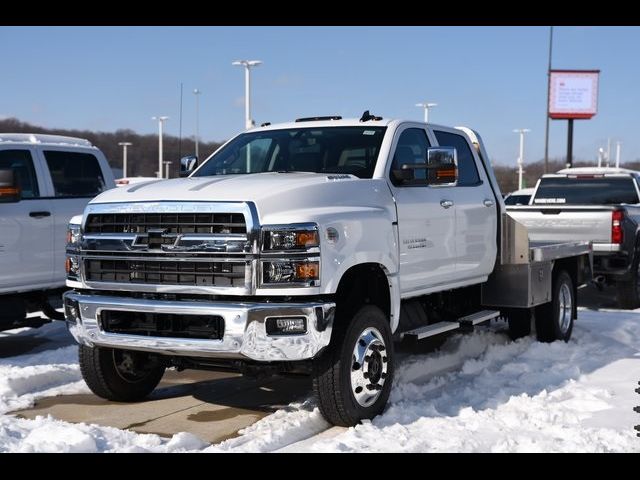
<point>558,223</point>
<point>546,251</point>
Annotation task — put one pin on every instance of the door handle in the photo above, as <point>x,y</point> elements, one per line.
<point>39,214</point>
<point>488,203</point>
<point>446,203</point>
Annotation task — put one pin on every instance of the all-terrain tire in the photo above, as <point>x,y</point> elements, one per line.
<point>344,398</point>
<point>104,373</point>
<point>554,320</point>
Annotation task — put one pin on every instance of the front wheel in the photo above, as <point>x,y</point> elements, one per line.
<point>554,320</point>
<point>352,377</point>
<point>119,375</point>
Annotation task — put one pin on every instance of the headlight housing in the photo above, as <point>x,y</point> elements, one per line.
<point>290,238</point>
<point>73,235</point>
<point>290,255</point>
<point>304,272</point>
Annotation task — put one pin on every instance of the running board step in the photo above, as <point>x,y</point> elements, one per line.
<point>431,330</point>
<point>478,317</point>
<point>441,327</point>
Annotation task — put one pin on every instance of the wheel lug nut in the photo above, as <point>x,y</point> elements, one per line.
<point>371,386</point>
<point>367,358</point>
<point>383,375</point>
<point>384,359</point>
<point>365,374</point>
<point>356,366</point>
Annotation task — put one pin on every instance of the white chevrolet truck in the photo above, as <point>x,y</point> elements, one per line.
<point>309,247</point>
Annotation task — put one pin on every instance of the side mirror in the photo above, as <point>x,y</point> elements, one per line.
<point>187,165</point>
<point>442,166</point>
<point>9,188</point>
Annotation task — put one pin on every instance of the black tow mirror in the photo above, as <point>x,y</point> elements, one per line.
<point>9,188</point>
<point>187,165</point>
<point>442,165</point>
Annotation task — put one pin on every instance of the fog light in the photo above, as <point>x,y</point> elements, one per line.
<point>71,310</point>
<point>286,326</point>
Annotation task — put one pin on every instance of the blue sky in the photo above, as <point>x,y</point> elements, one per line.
<point>492,79</point>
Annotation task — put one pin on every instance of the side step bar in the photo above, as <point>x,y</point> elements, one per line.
<point>478,317</point>
<point>442,327</point>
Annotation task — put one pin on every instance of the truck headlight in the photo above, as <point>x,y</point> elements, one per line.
<point>73,235</point>
<point>72,266</point>
<point>290,237</point>
<point>300,272</point>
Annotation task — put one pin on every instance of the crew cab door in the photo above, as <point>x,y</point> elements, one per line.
<point>476,210</point>
<point>74,177</point>
<point>426,218</point>
<point>26,242</point>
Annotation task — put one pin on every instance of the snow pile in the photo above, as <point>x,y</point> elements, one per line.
<point>25,378</point>
<point>478,393</point>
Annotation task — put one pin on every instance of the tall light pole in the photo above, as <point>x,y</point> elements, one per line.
<point>618,143</point>
<point>521,131</point>
<point>160,120</point>
<point>426,106</point>
<point>197,93</point>
<point>546,131</point>
<point>247,64</point>
<point>124,146</point>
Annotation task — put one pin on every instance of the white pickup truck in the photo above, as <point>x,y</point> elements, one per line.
<point>597,204</point>
<point>309,247</point>
<point>45,180</point>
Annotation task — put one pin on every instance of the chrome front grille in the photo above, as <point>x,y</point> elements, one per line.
<point>186,247</point>
<point>166,272</point>
<point>171,223</point>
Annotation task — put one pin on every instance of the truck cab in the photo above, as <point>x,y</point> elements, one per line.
<point>45,180</point>
<point>307,247</point>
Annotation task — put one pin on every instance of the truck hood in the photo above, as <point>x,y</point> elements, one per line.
<point>272,192</point>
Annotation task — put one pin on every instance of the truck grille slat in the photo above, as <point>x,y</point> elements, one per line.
<point>178,223</point>
<point>228,274</point>
<point>210,327</point>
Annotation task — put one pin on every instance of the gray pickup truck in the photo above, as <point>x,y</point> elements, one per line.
<point>598,204</point>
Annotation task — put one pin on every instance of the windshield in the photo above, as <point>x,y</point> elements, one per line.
<point>517,200</point>
<point>346,150</point>
<point>586,190</point>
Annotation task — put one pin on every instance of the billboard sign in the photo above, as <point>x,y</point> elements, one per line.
<point>573,94</point>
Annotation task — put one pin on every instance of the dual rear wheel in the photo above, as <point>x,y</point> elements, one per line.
<point>553,320</point>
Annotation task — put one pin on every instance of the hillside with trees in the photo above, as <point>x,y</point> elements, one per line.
<point>142,156</point>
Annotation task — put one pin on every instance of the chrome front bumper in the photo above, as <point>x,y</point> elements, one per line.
<point>244,336</point>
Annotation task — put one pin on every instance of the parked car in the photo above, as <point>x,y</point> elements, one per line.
<point>44,181</point>
<point>519,197</point>
<point>599,204</point>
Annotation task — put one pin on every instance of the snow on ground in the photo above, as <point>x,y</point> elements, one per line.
<point>478,393</point>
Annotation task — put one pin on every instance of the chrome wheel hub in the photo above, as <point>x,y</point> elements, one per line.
<point>368,367</point>
<point>131,367</point>
<point>565,306</point>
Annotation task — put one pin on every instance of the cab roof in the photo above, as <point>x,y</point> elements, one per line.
<point>595,171</point>
<point>343,122</point>
<point>43,139</point>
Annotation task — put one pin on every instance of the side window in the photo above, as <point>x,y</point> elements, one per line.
<point>21,163</point>
<point>412,148</point>
<point>74,174</point>
<point>467,171</point>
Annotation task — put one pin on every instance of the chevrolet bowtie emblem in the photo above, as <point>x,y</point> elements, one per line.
<point>154,239</point>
